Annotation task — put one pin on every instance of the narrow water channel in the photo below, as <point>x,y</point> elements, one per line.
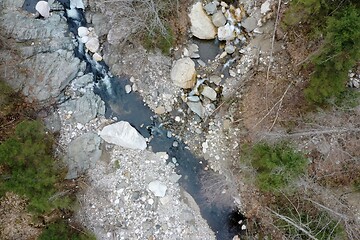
<point>222,218</point>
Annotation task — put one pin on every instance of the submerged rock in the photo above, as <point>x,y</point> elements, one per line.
<point>201,25</point>
<point>183,73</point>
<point>124,135</point>
<point>43,8</point>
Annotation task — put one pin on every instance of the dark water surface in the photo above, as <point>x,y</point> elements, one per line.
<point>222,218</point>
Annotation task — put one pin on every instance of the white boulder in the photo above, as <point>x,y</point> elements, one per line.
<point>93,44</point>
<point>183,73</point>
<point>83,31</point>
<point>97,57</point>
<point>77,4</point>
<point>226,33</point>
<point>43,8</point>
<point>123,134</point>
<point>201,25</point>
<point>158,188</point>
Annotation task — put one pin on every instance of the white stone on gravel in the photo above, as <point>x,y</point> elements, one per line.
<point>183,73</point>
<point>158,188</point>
<point>43,8</point>
<point>201,25</point>
<point>226,33</point>
<point>123,134</point>
<point>93,44</point>
<point>265,7</point>
<point>209,93</point>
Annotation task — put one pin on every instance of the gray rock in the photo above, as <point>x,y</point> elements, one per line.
<point>183,73</point>
<point>219,19</point>
<point>47,66</point>
<point>201,25</point>
<point>215,79</point>
<point>83,153</point>
<point>249,24</point>
<point>52,73</point>
<point>265,7</point>
<point>209,93</point>
<point>158,188</point>
<point>83,81</point>
<point>53,122</point>
<point>85,108</point>
<point>119,33</point>
<point>123,134</point>
<point>197,108</point>
<point>193,98</point>
<point>210,8</point>
<point>230,49</point>
<point>174,177</point>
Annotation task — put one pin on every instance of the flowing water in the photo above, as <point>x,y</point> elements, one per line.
<point>222,218</point>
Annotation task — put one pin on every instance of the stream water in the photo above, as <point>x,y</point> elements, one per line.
<point>222,218</point>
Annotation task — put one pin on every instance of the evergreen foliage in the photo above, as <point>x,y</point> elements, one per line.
<point>337,24</point>
<point>60,230</point>
<point>276,166</point>
<point>339,54</point>
<point>29,166</point>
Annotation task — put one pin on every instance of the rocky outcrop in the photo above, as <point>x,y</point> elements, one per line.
<point>124,135</point>
<point>201,25</point>
<point>84,108</point>
<point>83,153</point>
<point>183,73</point>
<point>38,58</point>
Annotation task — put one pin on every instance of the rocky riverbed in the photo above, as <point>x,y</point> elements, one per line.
<point>135,193</point>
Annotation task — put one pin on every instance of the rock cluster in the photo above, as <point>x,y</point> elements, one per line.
<point>91,41</point>
<point>354,79</point>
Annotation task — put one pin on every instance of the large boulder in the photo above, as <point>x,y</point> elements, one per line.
<point>83,153</point>
<point>43,8</point>
<point>201,25</point>
<point>124,135</point>
<point>85,108</point>
<point>183,73</point>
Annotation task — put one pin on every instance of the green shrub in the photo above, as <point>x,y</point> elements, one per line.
<point>161,41</point>
<point>340,52</point>
<point>60,230</point>
<point>29,166</point>
<point>276,166</point>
